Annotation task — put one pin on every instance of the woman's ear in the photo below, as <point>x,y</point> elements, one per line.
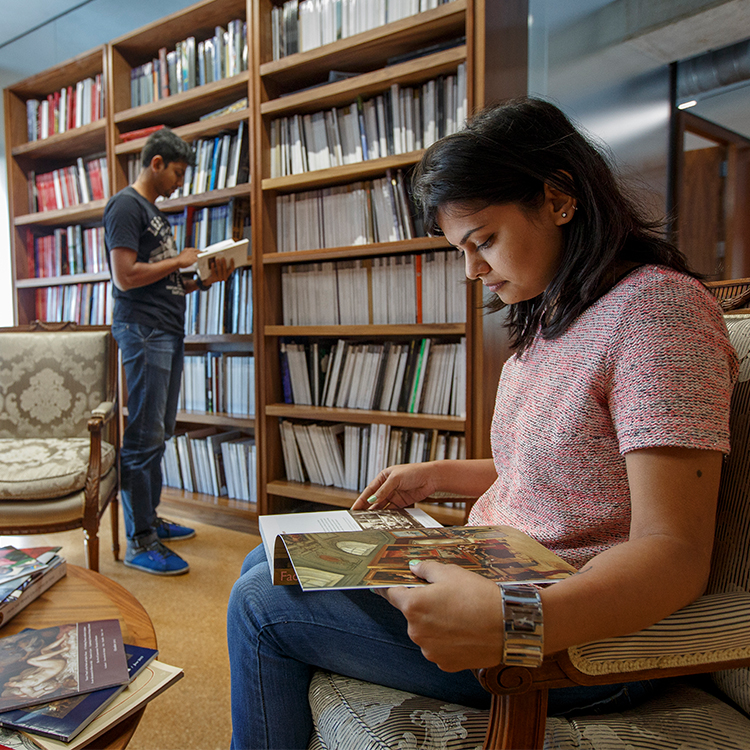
<point>560,205</point>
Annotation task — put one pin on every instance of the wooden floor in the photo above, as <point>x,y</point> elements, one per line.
<point>189,616</point>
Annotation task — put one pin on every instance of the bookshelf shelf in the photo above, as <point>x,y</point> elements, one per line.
<point>65,146</point>
<point>173,110</point>
<point>221,420</point>
<point>366,84</point>
<point>337,175</point>
<point>374,331</point>
<point>370,49</point>
<point>191,131</point>
<point>366,416</point>
<point>333,496</point>
<point>211,198</point>
<point>86,212</point>
<point>80,278</point>
<point>371,250</point>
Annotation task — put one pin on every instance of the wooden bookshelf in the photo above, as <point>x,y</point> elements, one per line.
<point>27,157</point>
<point>297,85</point>
<point>182,112</point>
<point>469,32</point>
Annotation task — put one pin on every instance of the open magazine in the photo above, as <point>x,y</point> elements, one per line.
<point>376,553</point>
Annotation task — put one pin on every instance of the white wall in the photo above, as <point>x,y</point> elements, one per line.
<point>88,26</point>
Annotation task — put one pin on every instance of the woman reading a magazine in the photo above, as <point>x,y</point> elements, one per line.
<point>610,423</point>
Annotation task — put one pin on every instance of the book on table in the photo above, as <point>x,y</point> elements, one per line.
<point>18,593</point>
<point>231,250</point>
<point>65,718</point>
<point>372,549</point>
<point>152,680</point>
<point>60,661</point>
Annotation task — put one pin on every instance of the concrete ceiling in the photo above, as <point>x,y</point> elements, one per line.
<point>21,16</point>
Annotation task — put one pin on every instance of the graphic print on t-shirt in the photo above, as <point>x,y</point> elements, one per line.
<point>167,248</point>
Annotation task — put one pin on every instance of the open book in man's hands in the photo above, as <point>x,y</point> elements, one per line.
<point>231,250</point>
<point>376,553</point>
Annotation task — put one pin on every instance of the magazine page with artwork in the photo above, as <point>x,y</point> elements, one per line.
<point>271,526</point>
<point>43,665</point>
<point>376,558</point>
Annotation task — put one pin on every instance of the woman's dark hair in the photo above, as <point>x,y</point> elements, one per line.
<point>167,144</point>
<point>506,155</point>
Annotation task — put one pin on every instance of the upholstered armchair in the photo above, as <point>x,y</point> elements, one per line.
<point>57,394</point>
<point>704,649</point>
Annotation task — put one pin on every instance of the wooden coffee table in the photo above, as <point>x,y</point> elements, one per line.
<point>84,595</point>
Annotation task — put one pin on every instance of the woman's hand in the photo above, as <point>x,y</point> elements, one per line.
<point>398,486</point>
<point>456,620</point>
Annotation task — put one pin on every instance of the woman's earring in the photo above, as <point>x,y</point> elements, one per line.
<point>564,214</point>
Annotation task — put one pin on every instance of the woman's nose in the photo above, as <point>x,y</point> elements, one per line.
<point>475,265</point>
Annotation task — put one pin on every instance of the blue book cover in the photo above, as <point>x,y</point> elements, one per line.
<point>63,719</point>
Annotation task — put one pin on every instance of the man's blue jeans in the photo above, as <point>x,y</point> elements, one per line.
<point>153,361</point>
<point>277,635</point>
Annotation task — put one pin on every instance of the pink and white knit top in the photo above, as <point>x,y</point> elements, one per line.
<point>649,364</point>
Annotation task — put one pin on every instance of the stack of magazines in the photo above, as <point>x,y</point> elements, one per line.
<point>25,574</point>
<point>65,685</point>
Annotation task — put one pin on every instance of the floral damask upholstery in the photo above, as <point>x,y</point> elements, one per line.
<point>57,391</point>
<point>707,712</point>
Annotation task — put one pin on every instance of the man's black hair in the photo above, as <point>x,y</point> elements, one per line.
<point>167,144</point>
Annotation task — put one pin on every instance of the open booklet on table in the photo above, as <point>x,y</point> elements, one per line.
<point>372,549</point>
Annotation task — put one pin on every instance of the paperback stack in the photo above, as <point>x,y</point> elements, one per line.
<point>93,679</point>
<point>24,575</point>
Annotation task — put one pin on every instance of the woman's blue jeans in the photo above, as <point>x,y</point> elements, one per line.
<point>278,635</point>
<point>152,360</point>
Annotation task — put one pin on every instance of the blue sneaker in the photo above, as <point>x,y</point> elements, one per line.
<point>157,559</point>
<point>172,532</point>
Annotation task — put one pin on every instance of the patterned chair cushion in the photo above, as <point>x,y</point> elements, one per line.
<point>36,469</point>
<point>354,715</point>
<point>680,717</point>
<point>50,382</point>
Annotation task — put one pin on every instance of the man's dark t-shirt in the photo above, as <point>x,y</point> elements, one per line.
<point>133,222</point>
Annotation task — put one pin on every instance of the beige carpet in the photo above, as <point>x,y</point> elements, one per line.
<point>189,616</point>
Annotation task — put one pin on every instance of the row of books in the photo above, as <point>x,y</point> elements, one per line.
<point>214,382</point>
<point>220,162</point>
<point>360,213</point>
<point>420,288</point>
<point>351,456</point>
<point>191,64</point>
<point>212,463</point>
<point>69,250</point>
<point>71,107</point>
<point>400,120</point>
<point>202,227</point>
<point>301,25</point>
<point>73,185</point>
<point>423,376</point>
<point>85,304</point>
<point>105,681</point>
<point>227,307</point>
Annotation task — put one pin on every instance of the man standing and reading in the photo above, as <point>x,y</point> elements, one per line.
<point>148,325</point>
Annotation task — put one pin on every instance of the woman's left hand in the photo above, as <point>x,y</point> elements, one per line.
<point>456,620</point>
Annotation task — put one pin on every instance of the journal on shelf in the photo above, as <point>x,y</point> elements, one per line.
<point>377,554</point>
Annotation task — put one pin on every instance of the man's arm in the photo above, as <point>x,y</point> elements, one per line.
<point>129,273</point>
